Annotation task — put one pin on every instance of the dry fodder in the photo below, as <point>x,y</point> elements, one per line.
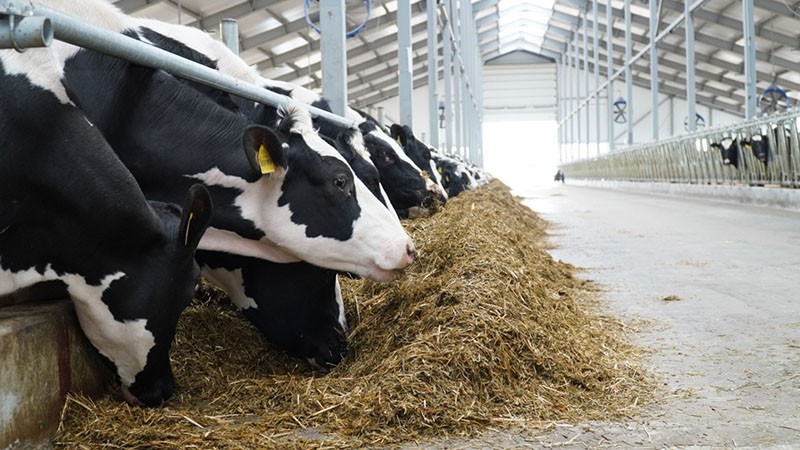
<point>484,330</point>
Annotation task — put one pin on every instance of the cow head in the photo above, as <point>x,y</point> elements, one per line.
<point>309,204</point>
<point>728,151</point>
<point>297,306</point>
<point>454,176</point>
<point>135,332</point>
<point>418,151</point>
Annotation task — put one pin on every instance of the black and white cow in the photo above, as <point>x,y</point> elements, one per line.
<point>456,177</point>
<point>729,150</point>
<point>71,212</point>
<point>291,197</point>
<point>409,191</point>
<point>418,151</point>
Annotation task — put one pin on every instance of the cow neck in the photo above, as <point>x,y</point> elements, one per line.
<point>152,120</point>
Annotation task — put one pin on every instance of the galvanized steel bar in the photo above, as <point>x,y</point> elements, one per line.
<point>23,32</point>
<point>74,31</point>
<point>405,62</point>
<point>748,22</point>
<point>447,47</point>
<point>609,73</point>
<point>596,54</point>
<point>433,75</point>
<point>577,93</point>
<point>229,30</point>
<point>586,78</point>
<point>690,79</point>
<point>654,67</point>
<point>628,74</point>
<point>334,54</point>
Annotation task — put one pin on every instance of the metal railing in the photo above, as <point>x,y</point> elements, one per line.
<point>692,158</point>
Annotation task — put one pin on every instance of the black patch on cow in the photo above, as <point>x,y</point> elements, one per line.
<point>297,307</point>
<point>333,210</point>
<point>403,184</point>
<point>157,39</point>
<point>138,110</point>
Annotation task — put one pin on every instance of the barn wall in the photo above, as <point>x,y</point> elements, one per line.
<point>519,92</point>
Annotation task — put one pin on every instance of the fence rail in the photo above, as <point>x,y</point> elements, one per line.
<point>695,159</point>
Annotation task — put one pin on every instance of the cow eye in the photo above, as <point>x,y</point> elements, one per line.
<point>340,182</point>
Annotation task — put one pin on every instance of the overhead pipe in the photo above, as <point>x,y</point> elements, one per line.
<point>23,32</point>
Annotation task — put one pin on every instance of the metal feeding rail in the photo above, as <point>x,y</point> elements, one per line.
<point>692,159</point>
<point>39,22</point>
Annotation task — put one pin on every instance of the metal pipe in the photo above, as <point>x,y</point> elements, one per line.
<point>596,50</point>
<point>382,116</point>
<point>609,71</point>
<point>229,30</point>
<point>628,74</point>
<point>448,88</point>
<point>75,32</point>
<point>405,65</point>
<point>690,83</point>
<point>750,79</point>
<point>21,32</point>
<point>577,93</point>
<point>654,67</point>
<point>586,77</point>
<point>334,54</point>
<point>457,94</point>
<point>433,79</point>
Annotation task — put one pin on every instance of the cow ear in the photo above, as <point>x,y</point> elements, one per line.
<point>264,149</point>
<point>195,217</point>
<point>399,134</point>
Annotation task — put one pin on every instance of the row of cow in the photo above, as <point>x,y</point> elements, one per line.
<point>759,144</point>
<point>97,153</point>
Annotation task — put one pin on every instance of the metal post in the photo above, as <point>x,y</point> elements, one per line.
<point>654,67</point>
<point>405,58</point>
<point>596,50</point>
<point>690,83</point>
<point>433,75</point>
<point>334,54</point>
<point>577,93</point>
<point>586,76</point>
<point>229,30</point>
<point>570,98</point>
<point>610,74</point>
<point>381,116</point>
<point>628,77</point>
<point>448,88</point>
<point>749,59</point>
<point>457,74</point>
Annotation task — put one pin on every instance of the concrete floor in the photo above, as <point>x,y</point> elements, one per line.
<point>728,350</point>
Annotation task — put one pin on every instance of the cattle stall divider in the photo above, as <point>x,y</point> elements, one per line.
<point>692,159</point>
<point>71,30</point>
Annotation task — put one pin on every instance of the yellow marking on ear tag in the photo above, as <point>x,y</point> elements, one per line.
<point>265,161</point>
<point>439,169</point>
<point>398,140</point>
<point>188,227</point>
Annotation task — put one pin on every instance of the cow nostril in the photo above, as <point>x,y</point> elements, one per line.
<point>411,252</point>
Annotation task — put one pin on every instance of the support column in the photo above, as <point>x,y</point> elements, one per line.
<point>586,77</point>
<point>654,67</point>
<point>433,75</point>
<point>596,54</point>
<point>750,79</point>
<point>334,54</point>
<point>448,88</point>
<point>405,58</point>
<point>229,30</point>
<point>609,73</point>
<point>690,82</point>
<point>628,76</point>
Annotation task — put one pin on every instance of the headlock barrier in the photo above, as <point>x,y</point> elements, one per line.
<point>759,152</point>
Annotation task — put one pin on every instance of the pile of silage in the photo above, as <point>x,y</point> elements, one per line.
<point>485,329</point>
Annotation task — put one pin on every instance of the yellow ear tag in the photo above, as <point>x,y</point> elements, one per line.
<point>398,140</point>
<point>439,169</point>
<point>265,160</point>
<point>188,227</point>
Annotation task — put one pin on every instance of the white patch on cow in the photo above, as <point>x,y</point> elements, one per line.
<point>41,67</point>
<point>232,282</point>
<point>219,240</point>
<point>342,318</point>
<point>298,93</point>
<point>126,343</point>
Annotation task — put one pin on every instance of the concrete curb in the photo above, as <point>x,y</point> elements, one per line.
<point>768,196</point>
<point>43,356</point>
